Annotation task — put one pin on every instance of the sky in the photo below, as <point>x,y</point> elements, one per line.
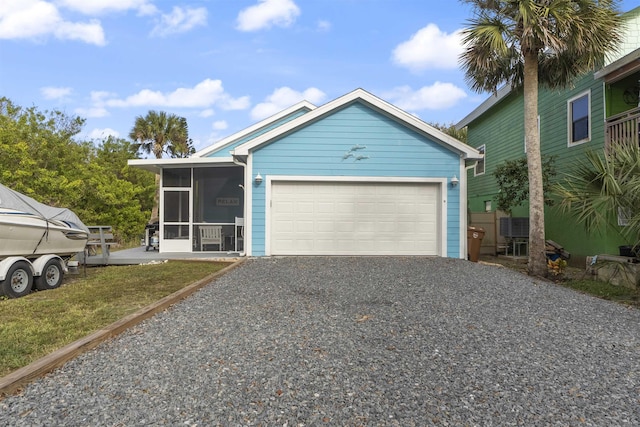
<point>227,64</point>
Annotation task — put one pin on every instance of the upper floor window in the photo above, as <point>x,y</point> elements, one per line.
<point>479,169</point>
<point>579,118</point>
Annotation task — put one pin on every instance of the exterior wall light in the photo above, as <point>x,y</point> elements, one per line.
<point>258,178</point>
<point>454,181</point>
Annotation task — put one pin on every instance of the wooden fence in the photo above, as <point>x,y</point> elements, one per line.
<point>492,243</point>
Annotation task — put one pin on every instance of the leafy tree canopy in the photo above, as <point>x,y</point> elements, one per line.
<point>41,157</point>
<point>513,182</point>
<point>451,130</point>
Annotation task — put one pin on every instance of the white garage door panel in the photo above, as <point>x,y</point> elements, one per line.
<point>320,218</point>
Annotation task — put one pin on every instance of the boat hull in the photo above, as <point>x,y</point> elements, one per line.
<point>24,234</point>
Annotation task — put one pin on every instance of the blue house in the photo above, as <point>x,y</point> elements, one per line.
<point>356,176</point>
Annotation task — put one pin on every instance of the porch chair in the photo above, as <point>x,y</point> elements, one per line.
<point>239,232</point>
<point>211,235</point>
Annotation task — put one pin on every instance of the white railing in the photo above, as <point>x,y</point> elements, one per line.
<point>624,127</point>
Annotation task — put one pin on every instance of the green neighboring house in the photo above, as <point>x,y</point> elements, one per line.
<point>601,108</point>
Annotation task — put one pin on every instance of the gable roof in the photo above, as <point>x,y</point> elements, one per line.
<point>359,95</point>
<point>485,106</point>
<point>303,106</point>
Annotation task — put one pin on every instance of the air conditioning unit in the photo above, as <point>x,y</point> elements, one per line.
<point>514,227</point>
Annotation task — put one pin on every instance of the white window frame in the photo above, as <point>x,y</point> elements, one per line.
<point>623,217</point>
<point>570,141</point>
<point>482,149</point>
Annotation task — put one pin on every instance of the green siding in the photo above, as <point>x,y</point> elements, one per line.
<point>501,129</point>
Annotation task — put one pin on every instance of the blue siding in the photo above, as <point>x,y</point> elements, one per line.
<point>392,150</point>
<point>224,151</point>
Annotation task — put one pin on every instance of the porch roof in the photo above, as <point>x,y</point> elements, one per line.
<point>156,165</point>
<point>254,129</point>
<point>621,68</point>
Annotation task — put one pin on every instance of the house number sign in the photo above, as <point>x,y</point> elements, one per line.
<point>227,201</point>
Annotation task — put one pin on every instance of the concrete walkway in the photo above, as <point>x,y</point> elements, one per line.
<point>139,255</point>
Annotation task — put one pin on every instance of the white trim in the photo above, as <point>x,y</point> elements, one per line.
<point>605,72</point>
<point>156,165</point>
<point>248,208</point>
<point>465,150</point>
<point>443,184</point>
<point>483,160</point>
<point>571,143</point>
<point>253,128</point>
<point>464,220</point>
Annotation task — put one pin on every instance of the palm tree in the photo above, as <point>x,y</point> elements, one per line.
<point>160,133</point>
<point>525,43</point>
<point>601,189</point>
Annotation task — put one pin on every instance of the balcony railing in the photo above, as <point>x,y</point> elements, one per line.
<point>624,127</point>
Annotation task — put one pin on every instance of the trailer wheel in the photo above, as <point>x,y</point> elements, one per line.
<point>19,280</point>
<point>51,277</point>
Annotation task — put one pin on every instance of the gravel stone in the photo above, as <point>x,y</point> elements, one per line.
<point>356,341</point>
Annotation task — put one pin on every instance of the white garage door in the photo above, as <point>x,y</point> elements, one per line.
<point>335,218</point>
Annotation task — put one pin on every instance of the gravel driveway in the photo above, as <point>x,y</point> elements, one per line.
<point>357,341</point>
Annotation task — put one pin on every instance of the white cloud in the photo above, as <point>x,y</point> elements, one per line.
<point>438,96</point>
<point>103,133</point>
<point>267,13</point>
<point>91,33</point>
<point>207,113</point>
<point>429,48</point>
<point>219,125</point>
<point>36,19</point>
<point>324,26</point>
<point>51,92</point>
<point>285,97</point>
<point>180,21</point>
<point>92,112</point>
<point>203,95</point>
<point>100,7</point>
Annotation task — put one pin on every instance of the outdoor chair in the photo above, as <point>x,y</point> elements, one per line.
<point>211,235</point>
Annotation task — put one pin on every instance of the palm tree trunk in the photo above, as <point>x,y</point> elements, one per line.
<point>156,202</point>
<point>537,258</point>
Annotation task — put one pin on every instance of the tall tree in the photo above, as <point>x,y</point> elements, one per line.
<point>160,133</point>
<point>527,43</point>
<point>41,156</point>
<point>451,130</point>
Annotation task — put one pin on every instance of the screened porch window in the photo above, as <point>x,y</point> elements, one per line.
<point>218,199</point>
<point>202,207</point>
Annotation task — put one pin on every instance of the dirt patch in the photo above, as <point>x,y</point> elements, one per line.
<point>520,265</point>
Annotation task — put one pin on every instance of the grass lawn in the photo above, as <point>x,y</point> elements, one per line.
<point>34,326</point>
<point>575,278</point>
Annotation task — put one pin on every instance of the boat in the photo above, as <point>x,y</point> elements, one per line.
<point>30,229</point>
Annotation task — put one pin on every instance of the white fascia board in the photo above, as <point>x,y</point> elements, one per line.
<point>156,165</point>
<point>485,106</point>
<point>253,128</point>
<point>359,94</point>
<point>625,61</point>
